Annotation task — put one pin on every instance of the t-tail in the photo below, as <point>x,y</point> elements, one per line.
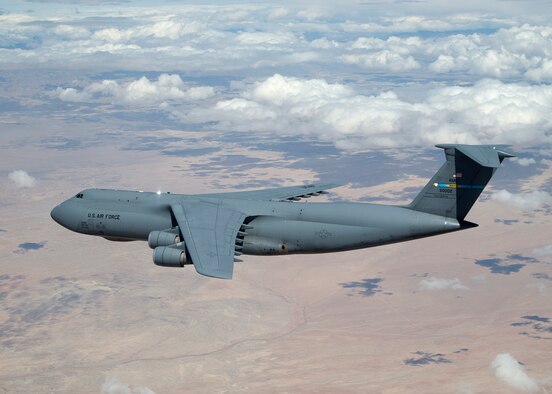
<point>456,186</point>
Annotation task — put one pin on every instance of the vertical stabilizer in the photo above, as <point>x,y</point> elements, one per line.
<point>456,186</point>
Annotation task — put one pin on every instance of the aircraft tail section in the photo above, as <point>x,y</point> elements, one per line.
<point>456,186</point>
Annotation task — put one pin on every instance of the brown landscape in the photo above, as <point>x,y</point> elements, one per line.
<point>82,314</point>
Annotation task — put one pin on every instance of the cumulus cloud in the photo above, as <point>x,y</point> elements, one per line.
<point>516,51</point>
<point>140,91</point>
<point>512,373</point>
<point>543,72</point>
<point>520,51</point>
<point>22,178</point>
<point>530,201</point>
<point>488,112</point>
<point>113,385</point>
<point>432,283</point>
<point>324,43</point>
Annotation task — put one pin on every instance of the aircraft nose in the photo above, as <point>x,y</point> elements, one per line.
<point>56,214</point>
<point>65,214</point>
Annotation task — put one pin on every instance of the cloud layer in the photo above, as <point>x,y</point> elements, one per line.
<point>488,112</point>
<point>241,37</point>
<point>357,78</point>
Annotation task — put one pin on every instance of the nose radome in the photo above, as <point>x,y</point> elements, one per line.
<point>56,214</point>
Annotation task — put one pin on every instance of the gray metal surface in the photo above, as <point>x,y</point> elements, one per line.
<point>211,230</point>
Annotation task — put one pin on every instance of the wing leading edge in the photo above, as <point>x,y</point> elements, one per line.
<point>292,193</point>
<point>209,231</point>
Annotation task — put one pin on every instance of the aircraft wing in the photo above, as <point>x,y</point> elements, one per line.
<point>292,193</point>
<point>209,231</point>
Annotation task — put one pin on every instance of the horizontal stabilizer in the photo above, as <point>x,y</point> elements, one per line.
<point>484,155</point>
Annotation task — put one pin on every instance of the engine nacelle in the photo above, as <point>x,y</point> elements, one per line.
<point>163,238</point>
<point>170,256</point>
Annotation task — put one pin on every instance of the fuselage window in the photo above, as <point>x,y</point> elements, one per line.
<point>80,195</point>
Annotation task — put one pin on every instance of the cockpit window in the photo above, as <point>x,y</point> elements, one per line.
<point>80,195</point>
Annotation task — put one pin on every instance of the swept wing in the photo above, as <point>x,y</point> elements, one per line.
<point>209,231</point>
<point>292,193</point>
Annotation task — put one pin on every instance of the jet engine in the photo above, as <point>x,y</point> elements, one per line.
<point>163,238</point>
<point>170,256</point>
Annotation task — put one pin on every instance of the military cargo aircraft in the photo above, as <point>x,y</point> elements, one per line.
<point>210,231</point>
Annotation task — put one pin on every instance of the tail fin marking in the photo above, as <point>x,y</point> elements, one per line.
<point>456,186</point>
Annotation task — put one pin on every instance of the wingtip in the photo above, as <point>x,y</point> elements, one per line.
<point>215,274</point>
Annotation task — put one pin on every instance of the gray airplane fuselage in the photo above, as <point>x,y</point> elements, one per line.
<point>277,227</point>
<point>211,231</point>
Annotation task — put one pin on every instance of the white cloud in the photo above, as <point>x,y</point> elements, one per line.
<point>432,283</point>
<point>404,104</point>
<point>515,51</point>
<point>541,73</point>
<point>487,112</point>
<point>140,91</point>
<point>112,35</point>
<point>524,161</point>
<point>512,373</point>
<point>113,385</point>
<point>311,14</point>
<point>167,29</point>
<point>383,60</point>
<point>391,55</point>
<point>171,29</point>
<point>235,37</point>
<point>529,201</point>
<point>71,32</point>
<point>22,179</point>
<point>278,13</point>
<point>521,51</point>
<point>324,43</point>
<point>443,64</point>
<point>71,94</point>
